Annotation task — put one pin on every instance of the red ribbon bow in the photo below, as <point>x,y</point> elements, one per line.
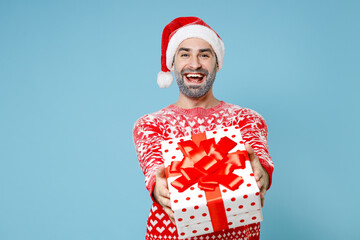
<point>209,164</point>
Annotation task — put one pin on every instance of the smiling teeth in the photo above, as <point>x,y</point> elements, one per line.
<point>194,75</point>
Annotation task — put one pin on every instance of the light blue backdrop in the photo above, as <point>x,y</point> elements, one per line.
<point>75,75</point>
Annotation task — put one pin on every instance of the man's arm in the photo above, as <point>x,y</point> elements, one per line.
<point>147,134</point>
<point>254,131</point>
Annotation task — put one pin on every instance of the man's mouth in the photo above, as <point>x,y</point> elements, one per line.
<point>194,77</point>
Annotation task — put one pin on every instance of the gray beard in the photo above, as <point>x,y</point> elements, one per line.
<point>198,91</point>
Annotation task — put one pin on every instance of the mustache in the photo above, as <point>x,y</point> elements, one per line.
<point>200,70</point>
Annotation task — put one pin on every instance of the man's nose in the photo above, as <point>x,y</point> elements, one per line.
<point>194,63</point>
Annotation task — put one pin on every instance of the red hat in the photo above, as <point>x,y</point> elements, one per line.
<point>177,31</point>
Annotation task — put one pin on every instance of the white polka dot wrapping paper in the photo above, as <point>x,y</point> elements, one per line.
<point>194,212</point>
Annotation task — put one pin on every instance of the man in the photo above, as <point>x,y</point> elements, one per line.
<point>194,52</point>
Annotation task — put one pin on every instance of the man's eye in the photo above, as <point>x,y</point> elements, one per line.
<point>204,55</point>
<point>184,55</point>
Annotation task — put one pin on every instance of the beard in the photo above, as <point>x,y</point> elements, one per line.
<point>195,91</point>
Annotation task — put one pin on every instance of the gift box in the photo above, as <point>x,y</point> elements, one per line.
<point>211,183</point>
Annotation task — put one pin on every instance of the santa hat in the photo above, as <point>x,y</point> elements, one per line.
<point>177,31</point>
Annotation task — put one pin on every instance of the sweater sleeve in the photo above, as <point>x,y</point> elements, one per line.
<point>255,132</point>
<point>147,135</point>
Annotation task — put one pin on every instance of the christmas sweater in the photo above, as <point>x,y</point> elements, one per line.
<point>175,122</point>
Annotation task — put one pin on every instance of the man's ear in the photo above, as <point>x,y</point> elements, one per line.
<point>172,66</point>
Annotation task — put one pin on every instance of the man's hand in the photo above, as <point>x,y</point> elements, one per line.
<point>261,176</point>
<point>161,192</point>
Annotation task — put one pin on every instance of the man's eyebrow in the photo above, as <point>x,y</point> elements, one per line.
<point>201,50</point>
<point>206,50</point>
<point>184,49</point>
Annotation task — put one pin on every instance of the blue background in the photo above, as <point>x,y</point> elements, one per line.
<point>75,75</point>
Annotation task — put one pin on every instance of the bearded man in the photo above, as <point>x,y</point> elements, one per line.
<point>195,53</point>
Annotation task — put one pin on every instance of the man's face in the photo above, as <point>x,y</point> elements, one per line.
<point>195,67</point>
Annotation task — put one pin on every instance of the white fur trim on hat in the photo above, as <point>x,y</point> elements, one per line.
<point>164,79</point>
<point>195,31</point>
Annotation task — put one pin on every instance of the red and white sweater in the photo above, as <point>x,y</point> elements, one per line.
<point>174,122</point>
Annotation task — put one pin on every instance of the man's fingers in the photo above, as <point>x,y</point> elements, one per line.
<point>254,161</point>
<point>258,184</point>
<point>165,202</point>
<point>250,151</point>
<point>161,183</point>
<point>170,212</point>
<point>164,192</point>
<point>161,188</point>
<point>259,173</point>
<point>262,183</point>
<point>262,194</point>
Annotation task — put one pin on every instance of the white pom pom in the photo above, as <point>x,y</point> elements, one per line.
<point>164,79</point>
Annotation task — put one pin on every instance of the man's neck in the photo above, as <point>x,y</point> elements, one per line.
<point>207,101</point>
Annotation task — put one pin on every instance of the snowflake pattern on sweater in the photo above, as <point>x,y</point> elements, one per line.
<point>174,122</point>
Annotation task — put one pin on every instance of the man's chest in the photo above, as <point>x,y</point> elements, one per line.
<point>181,125</point>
